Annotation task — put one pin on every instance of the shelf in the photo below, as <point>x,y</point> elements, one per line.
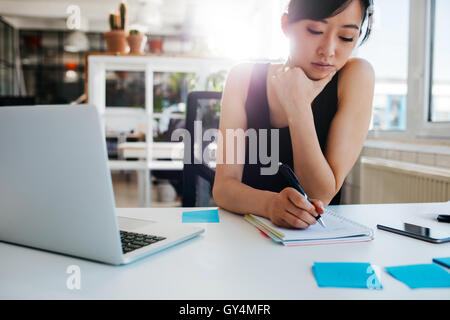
<point>98,67</point>
<point>49,66</point>
<point>123,165</point>
<point>170,116</point>
<point>160,150</point>
<point>132,111</point>
<point>175,165</point>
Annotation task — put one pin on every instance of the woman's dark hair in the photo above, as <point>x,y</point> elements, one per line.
<point>322,9</point>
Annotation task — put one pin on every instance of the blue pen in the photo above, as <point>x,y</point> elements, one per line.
<point>290,176</point>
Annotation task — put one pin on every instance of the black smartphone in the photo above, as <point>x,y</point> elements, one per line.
<point>419,232</point>
<point>443,218</point>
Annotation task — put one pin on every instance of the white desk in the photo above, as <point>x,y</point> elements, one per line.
<point>231,260</point>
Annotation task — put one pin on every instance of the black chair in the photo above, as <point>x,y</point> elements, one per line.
<point>198,179</point>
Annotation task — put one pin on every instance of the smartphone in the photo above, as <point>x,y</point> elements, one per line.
<point>443,218</point>
<point>419,232</point>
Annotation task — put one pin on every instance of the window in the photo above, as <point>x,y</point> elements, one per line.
<point>439,110</point>
<point>387,51</point>
<point>7,69</point>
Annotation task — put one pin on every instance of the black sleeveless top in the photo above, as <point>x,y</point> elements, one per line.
<point>324,108</point>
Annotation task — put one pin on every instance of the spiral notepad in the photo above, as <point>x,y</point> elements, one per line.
<point>338,230</point>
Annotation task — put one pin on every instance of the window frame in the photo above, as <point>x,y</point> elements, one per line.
<point>419,80</point>
<point>432,51</point>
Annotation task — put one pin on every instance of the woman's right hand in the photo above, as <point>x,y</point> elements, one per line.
<point>290,209</point>
<point>295,89</point>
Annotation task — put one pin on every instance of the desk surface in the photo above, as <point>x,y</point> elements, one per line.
<point>231,260</point>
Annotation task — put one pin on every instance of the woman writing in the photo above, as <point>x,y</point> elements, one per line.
<point>320,100</point>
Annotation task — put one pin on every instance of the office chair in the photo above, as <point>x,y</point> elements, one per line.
<point>198,179</point>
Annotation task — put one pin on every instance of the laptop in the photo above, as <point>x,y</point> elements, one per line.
<point>56,191</point>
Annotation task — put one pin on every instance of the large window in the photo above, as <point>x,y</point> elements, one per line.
<point>51,74</point>
<point>7,70</point>
<point>387,50</point>
<point>440,64</point>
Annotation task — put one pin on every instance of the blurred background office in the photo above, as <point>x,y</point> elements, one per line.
<point>51,49</point>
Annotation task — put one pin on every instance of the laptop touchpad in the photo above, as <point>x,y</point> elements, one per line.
<point>131,224</point>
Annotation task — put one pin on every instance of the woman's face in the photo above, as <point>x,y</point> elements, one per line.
<point>320,47</point>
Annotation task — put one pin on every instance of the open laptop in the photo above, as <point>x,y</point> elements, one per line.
<point>56,192</point>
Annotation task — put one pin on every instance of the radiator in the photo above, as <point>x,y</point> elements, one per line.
<point>389,181</point>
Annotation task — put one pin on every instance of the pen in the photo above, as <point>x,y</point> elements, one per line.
<point>290,176</point>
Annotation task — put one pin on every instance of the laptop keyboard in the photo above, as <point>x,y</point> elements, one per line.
<point>132,241</point>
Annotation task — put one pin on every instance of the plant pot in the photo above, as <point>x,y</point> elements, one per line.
<point>116,41</point>
<point>155,45</point>
<point>136,43</point>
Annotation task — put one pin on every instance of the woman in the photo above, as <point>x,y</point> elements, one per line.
<point>320,100</point>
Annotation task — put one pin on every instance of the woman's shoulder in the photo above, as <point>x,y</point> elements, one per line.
<point>356,68</point>
<point>243,68</point>
<point>242,72</point>
<point>356,72</point>
<point>239,76</point>
<point>239,79</point>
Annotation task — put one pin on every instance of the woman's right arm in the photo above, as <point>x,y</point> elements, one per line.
<point>288,208</point>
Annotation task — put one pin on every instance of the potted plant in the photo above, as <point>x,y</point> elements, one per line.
<point>116,38</point>
<point>136,41</point>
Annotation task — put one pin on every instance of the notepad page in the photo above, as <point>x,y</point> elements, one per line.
<point>336,227</point>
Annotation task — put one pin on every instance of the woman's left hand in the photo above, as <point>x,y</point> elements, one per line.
<point>295,90</point>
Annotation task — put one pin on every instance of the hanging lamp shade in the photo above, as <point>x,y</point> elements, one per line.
<point>76,41</point>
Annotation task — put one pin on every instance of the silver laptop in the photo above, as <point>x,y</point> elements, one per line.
<point>56,192</point>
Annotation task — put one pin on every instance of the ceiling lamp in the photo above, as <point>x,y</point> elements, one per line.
<point>76,41</point>
<point>146,15</point>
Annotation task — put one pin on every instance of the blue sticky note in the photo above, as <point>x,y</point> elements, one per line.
<point>443,261</point>
<point>201,216</point>
<point>421,276</point>
<point>346,275</point>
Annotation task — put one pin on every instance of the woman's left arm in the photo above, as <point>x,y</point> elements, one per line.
<point>322,175</point>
